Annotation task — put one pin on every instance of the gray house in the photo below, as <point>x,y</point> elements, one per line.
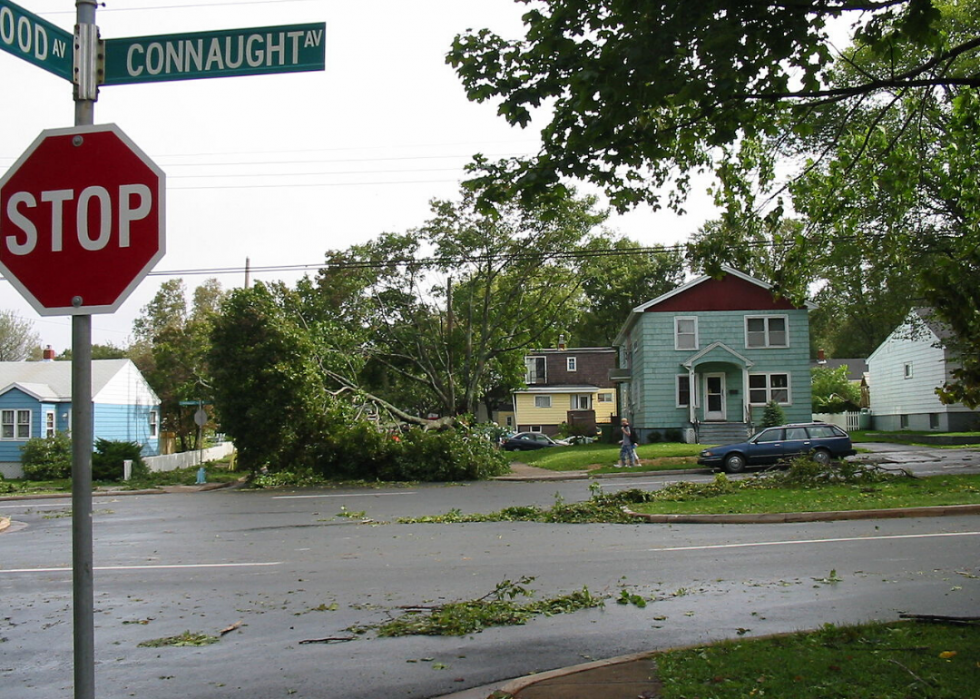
<point>904,373</point>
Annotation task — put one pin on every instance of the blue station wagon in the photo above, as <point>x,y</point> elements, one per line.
<point>774,444</point>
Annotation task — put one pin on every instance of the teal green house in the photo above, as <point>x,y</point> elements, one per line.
<point>706,358</point>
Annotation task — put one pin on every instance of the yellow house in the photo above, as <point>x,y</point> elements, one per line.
<point>566,385</point>
<point>544,408</point>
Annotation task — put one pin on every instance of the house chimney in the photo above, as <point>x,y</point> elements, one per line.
<point>821,357</point>
<point>561,341</point>
<point>48,354</point>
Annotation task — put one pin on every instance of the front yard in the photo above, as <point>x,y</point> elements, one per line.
<point>600,458</point>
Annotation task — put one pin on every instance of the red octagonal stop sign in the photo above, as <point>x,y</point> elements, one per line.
<point>81,220</point>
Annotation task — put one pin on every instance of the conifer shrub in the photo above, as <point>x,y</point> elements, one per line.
<point>107,461</point>
<point>772,415</point>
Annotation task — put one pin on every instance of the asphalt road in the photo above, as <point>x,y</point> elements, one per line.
<point>292,570</point>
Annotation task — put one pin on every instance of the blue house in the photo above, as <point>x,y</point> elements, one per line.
<point>35,401</point>
<point>706,358</point>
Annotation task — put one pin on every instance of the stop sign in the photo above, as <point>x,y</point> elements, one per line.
<point>81,220</point>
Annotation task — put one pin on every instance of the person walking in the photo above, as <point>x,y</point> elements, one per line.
<point>626,453</point>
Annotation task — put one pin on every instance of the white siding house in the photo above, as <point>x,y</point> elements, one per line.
<point>904,373</point>
<point>35,401</point>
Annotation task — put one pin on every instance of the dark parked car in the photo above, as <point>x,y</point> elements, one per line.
<point>774,444</point>
<point>525,441</point>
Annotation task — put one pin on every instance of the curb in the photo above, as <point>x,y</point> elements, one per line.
<point>826,516</point>
<point>587,475</point>
<point>514,686</point>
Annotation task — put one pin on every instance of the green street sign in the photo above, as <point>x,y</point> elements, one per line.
<point>216,54</point>
<point>35,40</point>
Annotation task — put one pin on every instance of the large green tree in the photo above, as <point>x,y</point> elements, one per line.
<point>171,347</point>
<point>268,388</point>
<point>452,306</point>
<point>636,94</point>
<point>871,143</point>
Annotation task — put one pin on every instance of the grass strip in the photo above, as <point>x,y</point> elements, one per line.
<point>735,498</point>
<point>877,660</point>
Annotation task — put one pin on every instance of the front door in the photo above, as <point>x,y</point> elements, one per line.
<point>714,398</point>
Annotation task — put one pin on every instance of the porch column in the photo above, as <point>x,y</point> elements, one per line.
<point>692,386</point>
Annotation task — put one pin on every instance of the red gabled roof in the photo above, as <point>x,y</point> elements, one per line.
<point>730,293</point>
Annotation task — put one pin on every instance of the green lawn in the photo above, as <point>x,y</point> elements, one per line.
<point>582,457</point>
<point>217,472</point>
<point>919,492</point>
<point>901,659</point>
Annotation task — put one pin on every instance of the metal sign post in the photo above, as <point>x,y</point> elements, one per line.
<point>83,437</point>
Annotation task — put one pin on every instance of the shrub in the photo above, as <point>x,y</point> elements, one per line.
<point>772,415</point>
<point>107,461</point>
<point>363,451</point>
<point>673,435</point>
<point>47,458</point>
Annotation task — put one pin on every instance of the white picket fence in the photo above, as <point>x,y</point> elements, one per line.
<point>848,421</point>
<point>170,462</point>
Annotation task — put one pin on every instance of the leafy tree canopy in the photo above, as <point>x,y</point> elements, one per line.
<point>641,93</point>
<point>832,392</point>
<point>18,339</point>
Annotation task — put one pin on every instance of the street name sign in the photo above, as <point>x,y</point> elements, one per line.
<point>35,40</point>
<point>215,54</point>
<point>81,220</point>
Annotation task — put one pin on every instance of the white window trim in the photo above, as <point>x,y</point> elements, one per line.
<point>533,428</point>
<point>154,419</point>
<point>604,397</point>
<point>769,389</point>
<point>542,398</point>
<point>50,420</point>
<point>571,363</point>
<point>677,391</point>
<point>15,423</point>
<point>697,339</point>
<point>768,344</point>
<point>575,401</point>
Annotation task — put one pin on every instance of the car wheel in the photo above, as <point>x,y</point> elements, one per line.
<point>734,463</point>
<point>821,456</point>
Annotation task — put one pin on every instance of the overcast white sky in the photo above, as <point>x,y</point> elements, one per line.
<point>284,167</point>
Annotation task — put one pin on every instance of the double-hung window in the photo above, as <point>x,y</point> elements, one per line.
<point>764,388</point>
<point>542,401</point>
<point>766,331</point>
<point>15,424</point>
<point>154,424</point>
<point>49,426</point>
<point>571,363</point>
<point>685,333</point>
